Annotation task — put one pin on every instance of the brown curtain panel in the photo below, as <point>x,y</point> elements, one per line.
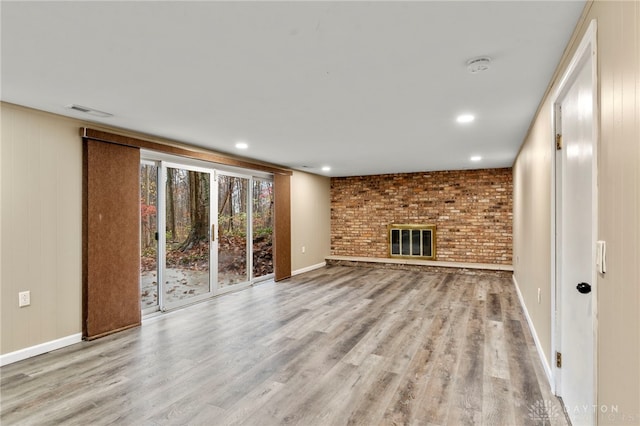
<point>282,234</point>
<point>111,243</point>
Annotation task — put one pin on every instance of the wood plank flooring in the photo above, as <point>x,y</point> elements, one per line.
<point>335,346</point>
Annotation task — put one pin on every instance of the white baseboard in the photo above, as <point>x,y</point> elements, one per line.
<point>309,268</point>
<point>40,349</point>
<point>543,358</point>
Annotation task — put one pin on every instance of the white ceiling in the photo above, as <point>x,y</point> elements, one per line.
<point>364,87</point>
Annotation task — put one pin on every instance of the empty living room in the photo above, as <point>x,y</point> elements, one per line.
<point>320,213</point>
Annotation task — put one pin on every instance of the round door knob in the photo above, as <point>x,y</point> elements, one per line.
<point>584,288</point>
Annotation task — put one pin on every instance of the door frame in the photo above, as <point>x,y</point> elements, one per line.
<point>586,48</point>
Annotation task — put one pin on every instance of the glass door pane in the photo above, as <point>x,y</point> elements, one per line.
<point>148,237</point>
<point>233,195</point>
<point>262,227</point>
<point>187,246</point>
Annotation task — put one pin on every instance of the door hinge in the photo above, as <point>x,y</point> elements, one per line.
<point>558,360</point>
<point>558,141</point>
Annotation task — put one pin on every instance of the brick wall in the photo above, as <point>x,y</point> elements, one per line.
<point>472,210</point>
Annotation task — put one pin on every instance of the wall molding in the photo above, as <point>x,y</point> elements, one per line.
<point>309,268</point>
<point>543,358</point>
<point>40,349</point>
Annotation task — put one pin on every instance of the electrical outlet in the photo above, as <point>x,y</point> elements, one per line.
<point>24,298</point>
<point>304,249</point>
<point>539,295</point>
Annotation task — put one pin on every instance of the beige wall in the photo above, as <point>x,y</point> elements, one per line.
<point>41,226</point>
<point>618,44</point>
<point>532,226</point>
<point>310,220</point>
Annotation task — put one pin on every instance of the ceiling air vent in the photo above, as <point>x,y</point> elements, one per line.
<point>89,111</point>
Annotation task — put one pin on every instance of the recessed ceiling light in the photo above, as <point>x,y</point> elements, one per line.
<point>242,145</point>
<point>465,118</point>
<point>326,169</point>
<point>476,158</point>
<point>89,111</point>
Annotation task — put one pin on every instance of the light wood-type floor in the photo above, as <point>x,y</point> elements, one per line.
<point>335,346</point>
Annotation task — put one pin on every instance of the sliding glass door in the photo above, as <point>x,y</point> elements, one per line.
<point>187,244</point>
<point>216,233</point>
<point>149,298</point>
<point>262,228</point>
<point>233,230</point>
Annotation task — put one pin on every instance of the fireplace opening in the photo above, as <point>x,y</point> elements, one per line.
<point>412,241</point>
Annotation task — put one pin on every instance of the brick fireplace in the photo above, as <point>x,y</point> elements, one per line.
<point>471,210</point>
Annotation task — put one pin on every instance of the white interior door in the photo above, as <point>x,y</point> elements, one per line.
<point>575,251</point>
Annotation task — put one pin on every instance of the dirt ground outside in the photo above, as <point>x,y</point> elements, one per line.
<point>180,284</point>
